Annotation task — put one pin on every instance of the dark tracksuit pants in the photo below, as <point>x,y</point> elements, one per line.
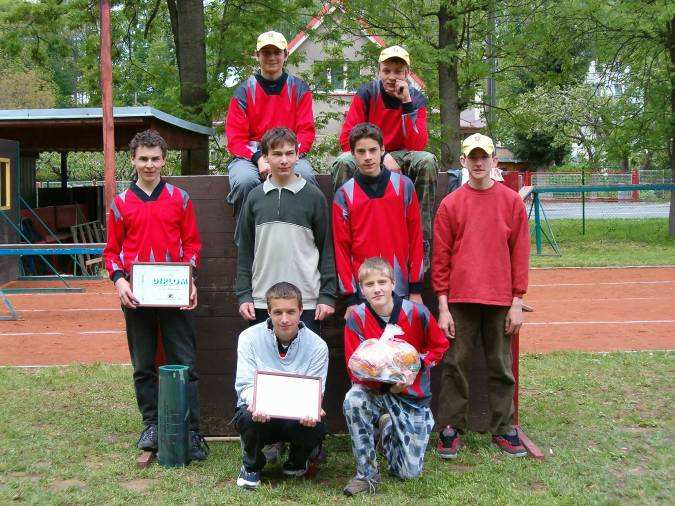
<point>474,322</point>
<point>255,435</point>
<point>178,339</point>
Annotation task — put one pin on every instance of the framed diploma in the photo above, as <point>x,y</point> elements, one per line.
<point>161,284</point>
<point>287,396</point>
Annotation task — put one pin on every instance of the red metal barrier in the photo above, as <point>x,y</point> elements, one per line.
<point>635,179</point>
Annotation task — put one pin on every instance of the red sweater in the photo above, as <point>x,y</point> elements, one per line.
<point>378,218</point>
<point>481,246</point>
<point>259,104</point>
<point>150,228</point>
<point>420,329</point>
<point>404,126</point>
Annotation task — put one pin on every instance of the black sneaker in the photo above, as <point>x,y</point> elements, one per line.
<point>148,440</point>
<point>249,480</point>
<point>291,469</point>
<point>199,449</point>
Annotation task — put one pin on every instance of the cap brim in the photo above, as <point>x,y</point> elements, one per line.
<point>470,148</point>
<point>278,46</point>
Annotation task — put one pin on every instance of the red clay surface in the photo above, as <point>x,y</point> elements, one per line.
<point>575,309</point>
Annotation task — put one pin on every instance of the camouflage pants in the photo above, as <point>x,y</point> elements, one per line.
<point>420,166</point>
<point>403,441</point>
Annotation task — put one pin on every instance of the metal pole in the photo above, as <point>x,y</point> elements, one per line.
<point>537,221</point>
<point>107,101</point>
<point>583,202</point>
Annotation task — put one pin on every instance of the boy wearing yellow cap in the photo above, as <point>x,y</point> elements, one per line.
<point>479,272</point>
<point>270,98</point>
<point>400,111</point>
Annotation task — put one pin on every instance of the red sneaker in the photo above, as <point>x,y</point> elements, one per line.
<point>448,446</point>
<point>511,445</point>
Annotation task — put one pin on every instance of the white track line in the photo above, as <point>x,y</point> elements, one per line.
<point>605,283</point>
<point>61,333</point>
<point>117,310</point>
<point>534,300</point>
<point>601,322</point>
<point>60,294</point>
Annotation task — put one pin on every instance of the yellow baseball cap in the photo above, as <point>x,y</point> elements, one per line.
<point>477,141</point>
<point>394,52</point>
<point>271,39</point>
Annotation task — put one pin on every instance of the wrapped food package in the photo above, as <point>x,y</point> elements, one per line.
<point>387,359</point>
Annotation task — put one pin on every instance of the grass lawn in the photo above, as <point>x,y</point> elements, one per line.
<point>605,422</point>
<point>608,242</point>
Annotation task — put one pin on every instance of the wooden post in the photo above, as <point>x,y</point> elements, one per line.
<point>64,169</point>
<point>107,101</point>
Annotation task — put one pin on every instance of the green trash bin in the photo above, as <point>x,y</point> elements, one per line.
<point>173,415</point>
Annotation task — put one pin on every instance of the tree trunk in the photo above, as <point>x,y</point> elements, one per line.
<point>671,44</point>
<point>448,92</point>
<point>187,25</point>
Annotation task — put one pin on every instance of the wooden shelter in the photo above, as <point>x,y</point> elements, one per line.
<point>66,130</point>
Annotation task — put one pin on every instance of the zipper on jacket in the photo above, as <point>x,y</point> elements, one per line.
<point>279,204</point>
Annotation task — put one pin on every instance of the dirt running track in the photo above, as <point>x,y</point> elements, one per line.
<point>575,309</point>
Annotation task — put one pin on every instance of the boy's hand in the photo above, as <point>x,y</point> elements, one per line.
<point>415,297</point>
<point>263,168</point>
<point>257,416</point>
<point>514,318</point>
<point>193,297</point>
<point>390,163</point>
<point>323,311</point>
<point>311,422</point>
<point>247,311</point>
<point>125,294</point>
<point>349,310</point>
<point>402,90</point>
<point>446,323</point>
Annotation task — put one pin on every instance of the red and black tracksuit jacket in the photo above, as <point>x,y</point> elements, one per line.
<point>160,227</point>
<point>404,126</point>
<point>378,217</point>
<point>420,330</point>
<point>259,104</point>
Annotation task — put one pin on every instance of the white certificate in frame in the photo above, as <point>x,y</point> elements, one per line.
<point>287,396</point>
<point>161,284</point>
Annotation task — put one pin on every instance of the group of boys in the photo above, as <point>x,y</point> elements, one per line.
<point>291,267</point>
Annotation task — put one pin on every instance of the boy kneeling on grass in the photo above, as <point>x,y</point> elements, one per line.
<point>282,344</point>
<point>401,412</point>
<point>479,272</point>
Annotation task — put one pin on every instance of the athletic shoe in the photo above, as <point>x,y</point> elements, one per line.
<point>199,449</point>
<point>291,469</point>
<point>448,445</point>
<point>248,480</point>
<point>510,444</point>
<point>273,452</point>
<point>359,485</point>
<point>148,440</point>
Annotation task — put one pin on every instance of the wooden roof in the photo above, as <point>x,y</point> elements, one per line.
<point>80,129</point>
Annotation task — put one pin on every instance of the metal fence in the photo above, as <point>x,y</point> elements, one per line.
<point>596,179</point>
<point>121,185</point>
